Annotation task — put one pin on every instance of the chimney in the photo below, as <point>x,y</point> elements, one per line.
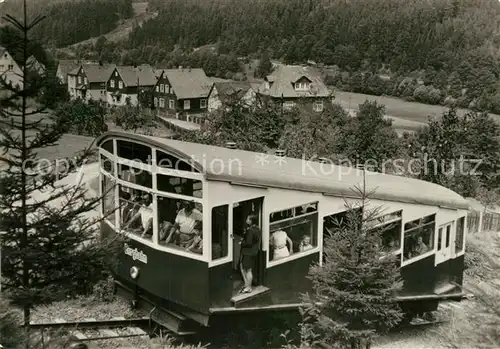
<point>230,145</point>
<point>324,160</point>
<point>280,153</point>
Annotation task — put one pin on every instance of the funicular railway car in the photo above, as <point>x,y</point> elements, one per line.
<point>150,183</point>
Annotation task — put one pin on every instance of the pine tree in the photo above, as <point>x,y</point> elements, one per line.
<point>353,300</point>
<point>49,242</point>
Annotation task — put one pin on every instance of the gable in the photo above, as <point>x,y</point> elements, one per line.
<point>303,79</point>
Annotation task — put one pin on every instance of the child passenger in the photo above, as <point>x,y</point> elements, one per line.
<point>305,244</point>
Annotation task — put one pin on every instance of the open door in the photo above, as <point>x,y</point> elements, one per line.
<point>241,210</point>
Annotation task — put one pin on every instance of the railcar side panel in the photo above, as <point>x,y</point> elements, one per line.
<point>181,280</point>
<point>419,277</point>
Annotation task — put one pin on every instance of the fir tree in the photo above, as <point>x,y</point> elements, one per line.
<point>353,300</point>
<point>49,241</point>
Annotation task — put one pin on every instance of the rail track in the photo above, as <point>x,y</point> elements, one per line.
<point>94,334</point>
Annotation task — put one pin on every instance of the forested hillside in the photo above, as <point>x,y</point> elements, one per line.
<point>454,43</point>
<point>69,22</point>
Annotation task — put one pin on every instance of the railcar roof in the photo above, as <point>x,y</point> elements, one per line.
<point>250,168</point>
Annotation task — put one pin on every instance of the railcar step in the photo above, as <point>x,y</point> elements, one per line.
<point>257,291</point>
<point>171,320</point>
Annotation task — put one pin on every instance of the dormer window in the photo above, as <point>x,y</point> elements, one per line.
<point>302,86</point>
<point>268,85</point>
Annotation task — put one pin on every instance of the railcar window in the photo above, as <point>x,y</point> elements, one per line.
<point>135,175</point>
<point>107,164</point>
<point>459,241</point>
<point>168,161</point>
<point>293,230</point>
<point>389,227</point>
<point>134,151</point>
<point>136,212</point>
<point>419,237</point>
<point>180,224</point>
<point>178,185</point>
<point>108,198</point>
<point>108,146</point>
<point>220,226</point>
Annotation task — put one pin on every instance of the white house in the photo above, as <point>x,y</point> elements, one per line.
<point>10,72</point>
<point>229,92</point>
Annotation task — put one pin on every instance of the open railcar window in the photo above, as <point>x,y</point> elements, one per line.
<point>136,212</point>
<point>419,237</point>
<point>293,230</point>
<point>389,227</point>
<point>180,224</point>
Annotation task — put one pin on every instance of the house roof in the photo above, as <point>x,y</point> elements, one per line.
<point>284,76</point>
<point>248,168</point>
<point>233,90</point>
<point>66,66</point>
<point>34,64</point>
<point>98,73</point>
<point>142,75</point>
<point>189,83</point>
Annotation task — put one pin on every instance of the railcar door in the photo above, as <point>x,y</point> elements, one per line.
<point>445,243</point>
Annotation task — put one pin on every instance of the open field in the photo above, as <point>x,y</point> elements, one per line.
<point>395,107</point>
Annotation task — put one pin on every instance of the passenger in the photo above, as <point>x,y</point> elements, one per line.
<point>163,230</point>
<point>183,230</point>
<point>145,212</point>
<point>197,245</point>
<point>249,250</point>
<point>279,240</point>
<point>420,247</point>
<point>305,244</point>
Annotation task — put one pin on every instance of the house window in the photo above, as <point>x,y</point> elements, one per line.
<point>162,88</point>
<point>167,89</point>
<point>112,83</point>
<point>187,104</point>
<point>171,104</point>
<point>389,229</point>
<point>292,231</point>
<point>419,237</point>
<point>203,103</point>
<point>220,232</point>
<point>79,79</point>
<point>318,106</point>
<point>120,84</point>
<point>155,101</point>
<point>11,67</point>
<point>116,73</point>
<point>459,239</point>
<point>157,88</point>
<point>288,105</point>
<point>85,81</point>
<point>162,103</point>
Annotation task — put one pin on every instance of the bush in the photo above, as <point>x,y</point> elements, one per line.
<point>104,290</point>
<point>427,94</point>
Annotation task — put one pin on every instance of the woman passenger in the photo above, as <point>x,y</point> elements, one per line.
<point>249,250</point>
<point>279,239</point>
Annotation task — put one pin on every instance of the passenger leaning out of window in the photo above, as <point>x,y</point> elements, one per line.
<point>279,239</point>
<point>183,231</point>
<point>249,250</point>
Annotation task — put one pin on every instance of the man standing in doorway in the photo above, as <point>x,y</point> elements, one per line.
<point>249,250</point>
